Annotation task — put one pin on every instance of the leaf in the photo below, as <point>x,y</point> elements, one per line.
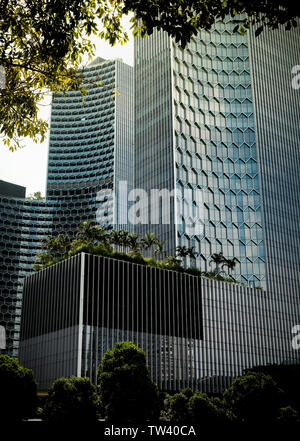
<point>258,31</point>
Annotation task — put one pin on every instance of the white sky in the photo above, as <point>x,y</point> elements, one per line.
<point>28,166</point>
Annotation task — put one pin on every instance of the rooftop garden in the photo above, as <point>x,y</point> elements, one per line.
<point>124,245</point>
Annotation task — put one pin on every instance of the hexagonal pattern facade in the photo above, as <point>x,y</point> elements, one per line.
<point>215,148</point>
<point>91,144</point>
<point>23,225</point>
<point>90,149</point>
<point>207,145</point>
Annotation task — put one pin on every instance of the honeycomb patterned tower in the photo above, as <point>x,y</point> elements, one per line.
<point>209,144</point>
<point>91,145</point>
<point>23,225</point>
<point>216,150</point>
<point>90,151</point>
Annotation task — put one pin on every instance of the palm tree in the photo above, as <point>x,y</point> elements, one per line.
<point>133,242</point>
<point>50,245</point>
<point>102,235</point>
<point>87,232</point>
<point>230,263</point>
<point>183,251</point>
<point>56,246</point>
<point>218,259</point>
<point>115,238</point>
<point>63,243</point>
<point>148,241</point>
<point>124,238</point>
<point>192,254</point>
<point>160,248</point>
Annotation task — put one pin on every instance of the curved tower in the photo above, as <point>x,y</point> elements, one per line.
<point>91,145</point>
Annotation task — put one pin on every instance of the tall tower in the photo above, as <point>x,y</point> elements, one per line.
<point>91,145</point>
<point>206,117</point>
<point>24,223</point>
<point>277,129</point>
<point>90,152</point>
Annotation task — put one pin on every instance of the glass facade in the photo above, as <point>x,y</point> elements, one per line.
<point>23,225</point>
<point>277,116</point>
<point>90,150</point>
<point>215,148</point>
<point>196,332</point>
<point>154,164</point>
<point>91,145</point>
<point>235,137</point>
<point>207,117</point>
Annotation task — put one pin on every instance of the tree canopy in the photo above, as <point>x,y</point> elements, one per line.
<point>127,392</point>
<point>18,388</point>
<point>71,399</point>
<point>254,397</point>
<point>42,43</point>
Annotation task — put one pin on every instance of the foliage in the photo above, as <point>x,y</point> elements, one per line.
<point>127,392</point>
<point>160,248</point>
<point>219,260</point>
<point>57,246</point>
<point>254,397</point>
<point>172,263</point>
<point>148,241</point>
<point>72,399</point>
<point>193,271</point>
<point>178,408</point>
<point>93,239</point>
<point>89,232</point>
<point>36,196</point>
<point>183,251</point>
<point>194,408</point>
<point>183,18</point>
<point>288,415</point>
<point>18,387</point>
<point>42,43</point>
<point>287,377</point>
<point>205,411</point>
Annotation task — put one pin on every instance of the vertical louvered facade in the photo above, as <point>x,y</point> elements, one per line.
<point>277,126</point>
<point>223,119</point>
<point>198,127</point>
<point>195,331</point>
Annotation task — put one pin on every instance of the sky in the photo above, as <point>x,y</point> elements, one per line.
<point>28,166</point>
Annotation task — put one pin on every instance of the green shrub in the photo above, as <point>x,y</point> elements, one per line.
<point>18,390</point>
<point>205,411</point>
<point>127,392</point>
<point>288,415</point>
<point>193,271</point>
<point>72,399</point>
<point>254,397</point>
<point>287,377</point>
<point>177,407</point>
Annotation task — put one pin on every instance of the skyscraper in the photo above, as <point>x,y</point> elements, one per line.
<point>23,225</point>
<point>90,151</point>
<point>206,122</point>
<point>221,117</point>
<point>91,145</point>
